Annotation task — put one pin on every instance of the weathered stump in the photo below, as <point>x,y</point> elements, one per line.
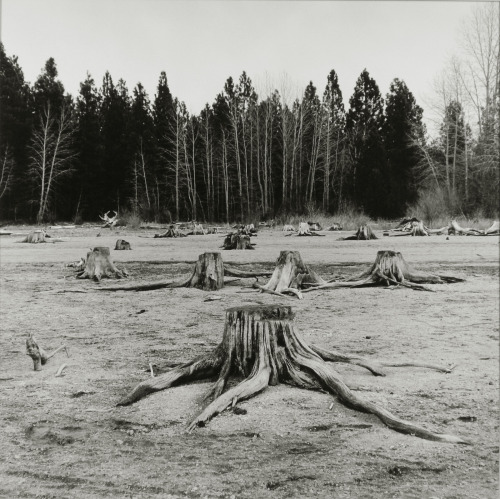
<point>364,233</point>
<point>261,344</point>
<point>390,268</point>
<point>121,244</point>
<point>237,241</point>
<point>305,230</point>
<point>208,274</point>
<point>35,237</point>
<point>290,276</point>
<point>38,354</point>
<point>98,264</point>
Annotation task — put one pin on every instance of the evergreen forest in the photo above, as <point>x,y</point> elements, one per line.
<point>245,157</point>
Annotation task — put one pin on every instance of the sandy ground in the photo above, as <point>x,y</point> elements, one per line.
<point>63,436</point>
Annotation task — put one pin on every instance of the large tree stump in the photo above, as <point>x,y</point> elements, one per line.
<point>237,241</point>
<point>262,345</point>
<point>364,233</point>
<point>390,268</point>
<point>98,264</point>
<point>290,276</point>
<point>208,274</point>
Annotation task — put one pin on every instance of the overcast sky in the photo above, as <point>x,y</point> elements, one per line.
<point>200,43</point>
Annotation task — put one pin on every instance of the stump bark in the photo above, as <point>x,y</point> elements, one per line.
<point>364,233</point>
<point>121,244</point>
<point>98,264</point>
<point>290,276</point>
<point>262,344</point>
<point>390,268</point>
<point>208,274</point>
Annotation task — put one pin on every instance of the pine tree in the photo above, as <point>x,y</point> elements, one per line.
<point>88,186</point>
<point>15,128</point>
<point>364,123</point>
<point>403,119</point>
<point>116,154</point>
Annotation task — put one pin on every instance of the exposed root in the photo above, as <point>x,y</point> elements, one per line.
<point>261,344</point>
<point>390,268</point>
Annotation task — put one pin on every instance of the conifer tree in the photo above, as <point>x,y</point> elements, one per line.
<point>403,119</point>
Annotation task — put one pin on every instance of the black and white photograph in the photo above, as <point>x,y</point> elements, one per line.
<point>249,249</point>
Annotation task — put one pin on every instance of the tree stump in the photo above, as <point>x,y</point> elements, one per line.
<point>35,237</point>
<point>208,274</point>
<point>364,233</point>
<point>290,276</point>
<point>237,241</point>
<point>262,344</point>
<point>305,230</point>
<point>121,244</point>
<point>98,264</point>
<point>390,268</point>
<point>38,354</point>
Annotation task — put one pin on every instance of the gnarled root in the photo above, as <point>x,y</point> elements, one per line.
<point>261,344</point>
<point>98,264</point>
<point>205,366</point>
<point>390,268</point>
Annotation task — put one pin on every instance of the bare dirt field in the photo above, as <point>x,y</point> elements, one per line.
<point>64,437</point>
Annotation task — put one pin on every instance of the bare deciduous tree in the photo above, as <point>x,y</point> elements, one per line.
<point>51,153</point>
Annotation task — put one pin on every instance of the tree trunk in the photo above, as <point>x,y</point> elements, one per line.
<point>290,276</point>
<point>262,345</point>
<point>390,268</point>
<point>98,264</point>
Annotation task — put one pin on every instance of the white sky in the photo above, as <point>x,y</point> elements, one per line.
<point>200,43</point>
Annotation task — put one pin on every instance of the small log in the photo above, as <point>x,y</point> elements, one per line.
<point>98,264</point>
<point>121,244</point>
<point>364,233</point>
<point>262,344</point>
<point>172,231</point>
<point>455,230</point>
<point>493,230</point>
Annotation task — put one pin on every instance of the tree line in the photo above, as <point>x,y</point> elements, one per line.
<point>243,157</point>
